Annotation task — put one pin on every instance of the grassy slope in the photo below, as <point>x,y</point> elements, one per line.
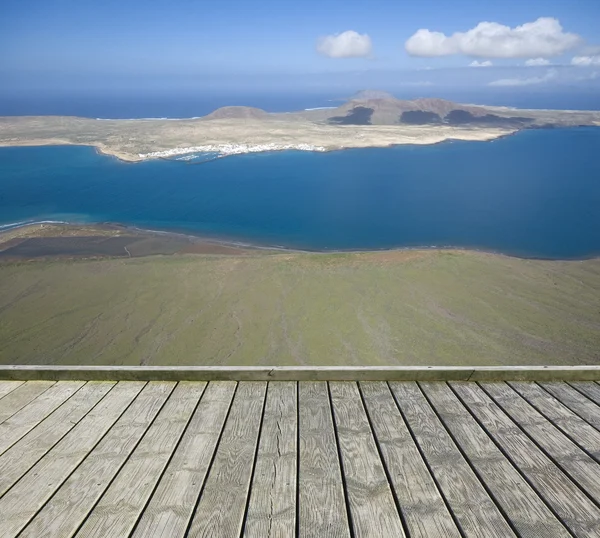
<point>370,309</point>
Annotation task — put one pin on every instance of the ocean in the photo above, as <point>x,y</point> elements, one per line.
<point>533,194</point>
<point>125,105</point>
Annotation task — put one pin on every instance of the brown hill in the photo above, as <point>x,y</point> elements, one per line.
<point>237,112</point>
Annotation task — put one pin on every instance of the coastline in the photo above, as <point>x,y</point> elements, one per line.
<point>28,230</point>
<point>227,149</point>
<point>102,149</point>
<point>134,141</point>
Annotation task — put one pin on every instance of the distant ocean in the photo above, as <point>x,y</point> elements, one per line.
<point>534,194</point>
<point>189,105</point>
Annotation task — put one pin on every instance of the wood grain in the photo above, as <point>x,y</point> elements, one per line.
<point>21,396</point>
<point>18,459</point>
<point>421,503</point>
<point>590,389</point>
<point>15,427</point>
<point>566,454</point>
<point>67,509</point>
<point>572,425</point>
<point>305,459</point>
<point>32,491</point>
<point>322,506</point>
<point>272,507</point>
<point>372,505</point>
<point>474,509</point>
<point>172,504</point>
<point>117,512</point>
<point>566,499</point>
<point>222,505</point>
<point>8,386</point>
<point>519,501</point>
<point>576,402</point>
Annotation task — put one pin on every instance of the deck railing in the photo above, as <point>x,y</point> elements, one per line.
<point>301,373</point>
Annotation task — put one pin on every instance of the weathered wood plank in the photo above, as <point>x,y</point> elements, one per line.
<point>172,504</point>
<point>423,507</point>
<point>67,509</point>
<point>7,387</point>
<point>322,506</point>
<point>566,454</point>
<point>119,508</point>
<point>590,389</point>
<point>222,505</point>
<point>272,508</point>
<point>372,504</point>
<point>519,501</point>
<point>572,425</point>
<point>474,509</point>
<point>32,491</point>
<point>576,402</point>
<point>15,427</point>
<point>19,458</point>
<point>21,396</point>
<point>573,507</point>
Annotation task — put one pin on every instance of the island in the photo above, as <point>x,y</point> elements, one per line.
<point>367,119</point>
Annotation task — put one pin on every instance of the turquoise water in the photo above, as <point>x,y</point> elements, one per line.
<point>535,194</point>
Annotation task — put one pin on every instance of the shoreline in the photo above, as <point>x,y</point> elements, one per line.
<point>244,245</point>
<point>170,154</point>
<point>166,155</point>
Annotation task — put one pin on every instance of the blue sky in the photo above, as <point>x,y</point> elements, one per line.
<point>42,39</point>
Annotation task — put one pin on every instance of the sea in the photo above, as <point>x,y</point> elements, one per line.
<point>185,104</point>
<point>534,194</point>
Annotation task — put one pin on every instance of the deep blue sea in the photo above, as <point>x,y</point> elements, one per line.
<point>534,194</point>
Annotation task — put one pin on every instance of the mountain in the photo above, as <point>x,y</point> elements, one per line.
<point>237,112</point>
<point>363,109</point>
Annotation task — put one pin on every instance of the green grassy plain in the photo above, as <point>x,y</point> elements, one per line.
<point>386,308</point>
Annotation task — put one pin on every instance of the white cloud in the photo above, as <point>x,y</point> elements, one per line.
<point>542,38</point>
<point>486,63</point>
<point>536,62</point>
<point>349,44</point>
<point>585,61</point>
<point>550,74</point>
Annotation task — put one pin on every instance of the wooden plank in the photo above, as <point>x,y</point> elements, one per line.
<point>300,373</point>
<point>33,490</point>
<point>576,402</point>
<point>590,389</point>
<point>519,501</point>
<point>272,507</point>
<point>118,510</point>
<point>7,387</point>
<point>222,505</point>
<point>12,429</point>
<point>322,506</point>
<point>17,460</point>
<point>570,504</point>
<point>172,504</point>
<point>566,454</point>
<point>423,507</point>
<point>473,508</point>
<point>67,509</point>
<point>372,504</point>
<point>21,396</point>
<point>572,425</point>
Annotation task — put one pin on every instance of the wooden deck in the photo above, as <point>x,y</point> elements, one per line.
<point>300,459</point>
